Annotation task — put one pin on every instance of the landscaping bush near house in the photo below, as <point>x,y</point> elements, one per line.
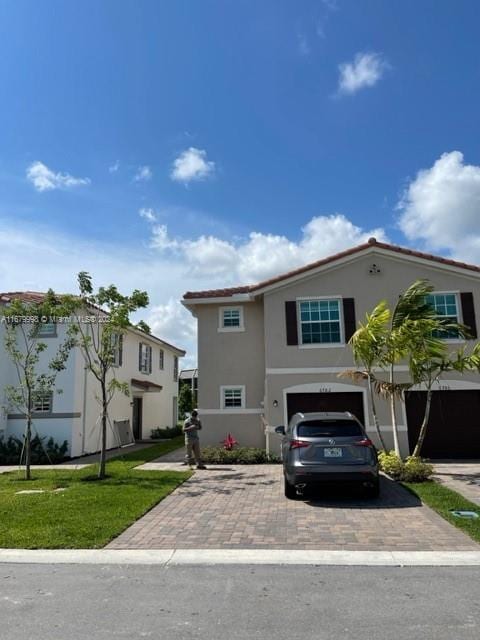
<point>413,469</point>
<point>166,432</point>
<point>42,452</point>
<point>239,455</point>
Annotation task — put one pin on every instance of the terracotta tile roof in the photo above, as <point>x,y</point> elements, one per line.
<point>24,296</point>
<point>220,293</point>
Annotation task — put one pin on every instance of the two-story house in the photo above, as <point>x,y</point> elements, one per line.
<point>148,364</point>
<point>269,350</point>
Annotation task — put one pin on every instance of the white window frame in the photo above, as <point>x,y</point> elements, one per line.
<point>117,343</point>
<point>45,397</point>
<point>222,328</point>
<point>148,368</point>
<point>50,334</point>
<point>458,304</point>
<point>232,387</point>
<point>320,345</point>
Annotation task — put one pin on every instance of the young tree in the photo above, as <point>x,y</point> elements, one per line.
<point>99,321</point>
<point>22,321</point>
<point>185,399</point>
<point>368,345</point>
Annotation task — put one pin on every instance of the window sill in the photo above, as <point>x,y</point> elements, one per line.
<point>230,329</point>
<point>330,345</point>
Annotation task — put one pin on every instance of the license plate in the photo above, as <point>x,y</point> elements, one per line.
<point>333,452</point>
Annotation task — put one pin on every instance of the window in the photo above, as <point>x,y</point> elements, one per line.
<point>145,358</point>
<point>175,368</point>
<point>231,319</point>
<point>42,402</point>
<point>161,362</point>
<point>446,308</point>
<point>233,397</point>
<point>117,345</point>
<point>47,330</point>
<point>329,429</point>
<point>320,322</point>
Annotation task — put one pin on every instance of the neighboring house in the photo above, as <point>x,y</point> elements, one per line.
<point>190,377</point>
<point>269,350</point>
<point>148,364</point>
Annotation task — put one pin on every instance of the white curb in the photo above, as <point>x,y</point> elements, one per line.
<point>185,557</point>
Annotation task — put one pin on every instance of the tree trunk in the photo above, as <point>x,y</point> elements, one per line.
<point>396,444</point>
<point>28,447</point>
<point>423,428</point>
<point>103,450</point>
<point>374,413</point>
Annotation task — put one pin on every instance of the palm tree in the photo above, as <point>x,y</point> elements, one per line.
<point>368,344</point>
<point>411,309</point>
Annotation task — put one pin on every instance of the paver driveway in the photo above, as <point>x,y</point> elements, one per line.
<point>244,507</point>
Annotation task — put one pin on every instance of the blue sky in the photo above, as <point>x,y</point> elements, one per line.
<point>178,144</point>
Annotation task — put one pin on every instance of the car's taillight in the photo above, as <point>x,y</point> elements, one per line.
<point>366,442</point>
<point>299,444</point>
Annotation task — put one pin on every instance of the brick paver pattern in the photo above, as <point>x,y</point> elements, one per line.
<point>244,507</point>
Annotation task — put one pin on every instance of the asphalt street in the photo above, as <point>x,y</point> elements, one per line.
<point>95,602</point>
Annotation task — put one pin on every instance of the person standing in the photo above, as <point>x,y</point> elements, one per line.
<point>191,427</point>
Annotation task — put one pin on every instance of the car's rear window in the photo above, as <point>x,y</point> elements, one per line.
<point>329,428</point>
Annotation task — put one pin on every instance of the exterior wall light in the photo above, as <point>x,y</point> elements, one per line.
<point>275,403</point>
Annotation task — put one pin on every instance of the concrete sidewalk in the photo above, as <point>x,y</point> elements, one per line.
<point>462,477</point>
<point>206,557</point>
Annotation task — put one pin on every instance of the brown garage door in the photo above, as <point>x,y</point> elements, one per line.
<point>307,402</point>
<point>454,424</point>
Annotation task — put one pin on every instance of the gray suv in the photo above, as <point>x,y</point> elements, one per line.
<point>327,448</point>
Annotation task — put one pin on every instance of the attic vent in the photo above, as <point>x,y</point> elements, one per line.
<point>374,269</point>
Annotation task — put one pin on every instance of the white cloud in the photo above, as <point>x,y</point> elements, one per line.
<point>148,214</point>
<point>261,255</point>
<point>171,266</point>
<point>114,167</point>
<point>441,207</point>
<point>44,179</point>
<point>143,174</point>
<point>172,319</point>
<point>192,164</point>
<point>365,71</point>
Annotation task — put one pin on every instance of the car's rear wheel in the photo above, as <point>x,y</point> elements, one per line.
<point>290,491</point>
<point>373,491</point>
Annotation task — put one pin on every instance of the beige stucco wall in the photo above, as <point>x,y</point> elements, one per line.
<point>351,280</point>
<point>230,358</point>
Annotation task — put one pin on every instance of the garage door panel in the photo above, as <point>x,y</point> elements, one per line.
<point>310,402</point>
<point>454,424</point>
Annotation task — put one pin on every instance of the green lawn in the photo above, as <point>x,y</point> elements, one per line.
<point>89,513</point>
<point>443,500</point>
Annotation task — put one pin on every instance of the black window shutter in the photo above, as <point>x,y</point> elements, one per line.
<point>291,322</point>
<point>149,359</point>
<point>468,313</point>
<point>140,356</point>
<point>120,350</point>
<point>349,317</point>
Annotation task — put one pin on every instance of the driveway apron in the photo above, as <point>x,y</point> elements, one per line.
<point>243,506</point>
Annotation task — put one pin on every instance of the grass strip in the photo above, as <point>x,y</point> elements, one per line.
<point>88,513</point>
<point>443,500</point>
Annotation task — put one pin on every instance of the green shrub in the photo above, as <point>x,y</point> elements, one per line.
<point>165,433</point>
<point>413,469</point>
<point>41,453</point>
<point>239,455</point>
